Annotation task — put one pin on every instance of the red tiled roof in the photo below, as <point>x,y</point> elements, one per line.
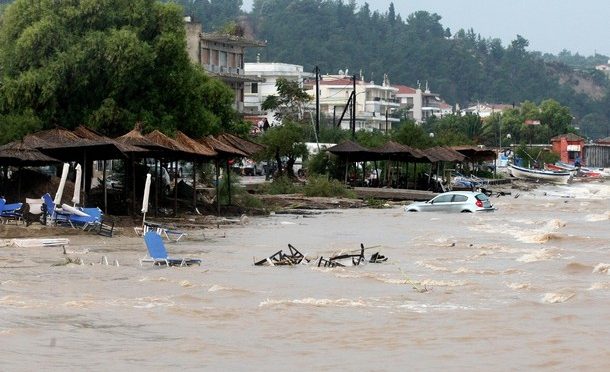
<point>403,89</point>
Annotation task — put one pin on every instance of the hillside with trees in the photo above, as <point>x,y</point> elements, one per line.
<point>461,65</point>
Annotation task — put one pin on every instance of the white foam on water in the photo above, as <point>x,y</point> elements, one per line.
<point>598,217</point>
<point>519,286</point>
<point>465,270</point>
<point>152,302</point>
<point>318,302</point>
<point>544,254</point>
<point>79,304</point>
<point>598,286</point>
<point>442,283</point>
<point>557,297</point>
<point>602,268</point>
<point>426,308</point>
<point>545,231</point>
<point>158,279</point>
<point>220,288</point>
<point>432,266</point>
<point>17,302</point>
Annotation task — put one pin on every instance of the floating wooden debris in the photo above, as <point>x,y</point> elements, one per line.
<point>356,259</point>
<point>69,260</point>
<point>282,259</point>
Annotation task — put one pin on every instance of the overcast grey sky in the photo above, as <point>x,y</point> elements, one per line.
<point>581,26</point>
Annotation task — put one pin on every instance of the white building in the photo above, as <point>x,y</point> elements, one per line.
<point>604,68</point>
<point>421,105</point>
<point>222,56</point>
<point>255,93</point>
<point>485,110</point>
<point>375,103</point>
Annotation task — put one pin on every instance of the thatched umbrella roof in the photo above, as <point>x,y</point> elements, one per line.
<point>199,148</point>
<point>242,144</point>
<point>90,134</point>
<point>34,142</point>
<point>476,153</point>
<point>399,151</point>
<point>136,138</point>
<point>17,153</point>
<point>61,137</point>
<point>352,151</point>
<point>177,150</point>
<point>223,149</point>
<point>439,153</point>
<point>66,145</point>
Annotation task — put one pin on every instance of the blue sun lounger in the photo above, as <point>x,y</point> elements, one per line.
<point>12,211</point>
<point>158,253</point>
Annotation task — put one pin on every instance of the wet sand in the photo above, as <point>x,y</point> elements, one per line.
<point>525,287</point>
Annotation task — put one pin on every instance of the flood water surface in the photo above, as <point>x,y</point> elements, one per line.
<point>524,287</point>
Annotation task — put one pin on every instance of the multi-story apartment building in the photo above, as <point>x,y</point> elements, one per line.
<point>420,105</point>
<point>256,92</point>
<point>375,104</point>
<point>222,56</point>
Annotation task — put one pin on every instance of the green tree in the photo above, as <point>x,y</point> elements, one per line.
<point>284,144</point>
<point>290,102</point>
<point>412,135</point>
<point>108,64</point>
<point>212,14</point>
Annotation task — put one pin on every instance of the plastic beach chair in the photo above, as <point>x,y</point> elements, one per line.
<point>12,211</point>
<point>169,233</point>
<point>55,215</point>
<point>158,253</point>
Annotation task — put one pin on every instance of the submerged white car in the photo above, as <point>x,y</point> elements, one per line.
<point>454,201</point>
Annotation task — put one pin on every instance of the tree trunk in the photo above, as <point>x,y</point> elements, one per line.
<point>279,163</point>
<point>290,167</point>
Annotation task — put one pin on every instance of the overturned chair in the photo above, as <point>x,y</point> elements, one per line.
<point>356,259</point>
<point>283,259</point>
<point>169,233</point>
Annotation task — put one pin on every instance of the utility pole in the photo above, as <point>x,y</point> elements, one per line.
<point>354,108</point>
<point>317,101</point>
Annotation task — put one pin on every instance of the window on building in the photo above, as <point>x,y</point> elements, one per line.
<point>254,88</point>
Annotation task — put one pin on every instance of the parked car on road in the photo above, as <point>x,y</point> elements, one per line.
<point>454,201</point>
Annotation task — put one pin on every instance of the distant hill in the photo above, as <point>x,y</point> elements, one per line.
<point>461,65</point>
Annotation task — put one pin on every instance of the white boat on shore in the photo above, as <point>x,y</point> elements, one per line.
<point>539,174</point>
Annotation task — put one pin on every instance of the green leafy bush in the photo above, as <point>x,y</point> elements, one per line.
<point>281,185</point>
<point>322,186</point>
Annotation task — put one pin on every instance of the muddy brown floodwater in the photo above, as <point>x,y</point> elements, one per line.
<point>525,287</point>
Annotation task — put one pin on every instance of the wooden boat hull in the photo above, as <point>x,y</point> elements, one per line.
<point>540,175</point>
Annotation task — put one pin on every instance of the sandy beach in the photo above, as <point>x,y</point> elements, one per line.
<point>525,287</point>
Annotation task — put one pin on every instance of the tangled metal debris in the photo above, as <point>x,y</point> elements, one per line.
<point>295,257</point>
<point>280,258</point>
<point>356,259</point>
